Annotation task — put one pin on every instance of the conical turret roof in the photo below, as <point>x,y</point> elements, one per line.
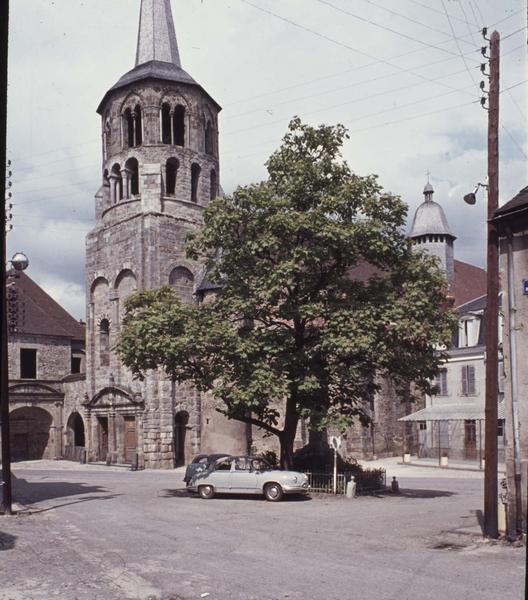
<point>430,218</point>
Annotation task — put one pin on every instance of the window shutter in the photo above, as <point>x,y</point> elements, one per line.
<point>464,381</point>
<point>471,379</point>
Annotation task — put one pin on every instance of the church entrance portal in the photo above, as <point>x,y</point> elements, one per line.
<point>180,430</point>
<point>30,429</point>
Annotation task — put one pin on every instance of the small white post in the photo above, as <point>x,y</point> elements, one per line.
<point>335,471</point>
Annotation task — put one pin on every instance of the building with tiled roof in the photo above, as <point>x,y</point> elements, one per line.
<point>451,423</point>
<point>46,356</point>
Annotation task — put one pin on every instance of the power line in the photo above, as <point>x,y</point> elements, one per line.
<point>384,27</point>
<point>416,22</point>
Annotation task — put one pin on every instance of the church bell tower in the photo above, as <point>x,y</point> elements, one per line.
<point>159,171</point>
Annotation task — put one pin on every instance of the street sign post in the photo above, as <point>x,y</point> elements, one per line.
<point>335,442</point>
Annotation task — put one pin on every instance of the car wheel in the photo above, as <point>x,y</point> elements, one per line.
<point>206,491</point>
<point>273,492</point>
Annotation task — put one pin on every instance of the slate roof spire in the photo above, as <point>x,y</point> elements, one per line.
<point>156,35</point>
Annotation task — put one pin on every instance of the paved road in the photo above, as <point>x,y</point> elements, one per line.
<point>99,534</point>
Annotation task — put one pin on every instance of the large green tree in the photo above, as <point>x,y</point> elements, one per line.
<point>321,296</point>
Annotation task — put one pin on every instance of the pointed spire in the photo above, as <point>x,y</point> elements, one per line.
<point>156,35</point>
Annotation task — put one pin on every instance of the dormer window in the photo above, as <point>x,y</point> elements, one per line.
<point>468,332</point>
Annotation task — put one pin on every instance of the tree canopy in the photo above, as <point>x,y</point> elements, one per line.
<point>321,296</point>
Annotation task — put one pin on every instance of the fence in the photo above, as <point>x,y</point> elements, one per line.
<point>367,481</point>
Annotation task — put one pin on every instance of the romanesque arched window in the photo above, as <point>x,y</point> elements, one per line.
<point>138,126</point>
<point>209,143</point>
<point>132,177</point>
<point>166,135</point>
<point>179,125</point>
<point>116,187</point>
<point>104,342</point>
<point>195,181</point>
<point>213,185</point>
<point>128,127</point>
<point>183,282</point>
<point>171,175</point>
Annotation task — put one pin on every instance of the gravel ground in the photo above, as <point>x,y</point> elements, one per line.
<point>93,532</point>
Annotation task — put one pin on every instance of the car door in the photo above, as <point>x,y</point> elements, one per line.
<point>242,478</point>
<point>219,475</point>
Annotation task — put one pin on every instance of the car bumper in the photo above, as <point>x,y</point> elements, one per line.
<point>296,489</point>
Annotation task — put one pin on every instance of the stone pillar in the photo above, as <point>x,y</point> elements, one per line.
<point>172,127</point>
<point>114,195</point>
<point>112,442</point>
<point>126,178</point>
<point>134,126</point>
<point>95,440</point>
<point>88,442</point>
<point>58,430</point>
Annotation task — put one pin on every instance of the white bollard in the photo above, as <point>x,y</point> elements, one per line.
<point>351,488</point>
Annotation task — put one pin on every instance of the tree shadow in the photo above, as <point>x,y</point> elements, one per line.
<point>33,492</point>
<point>416,494</point>
<point>7,541</point>
<point>183,493</point>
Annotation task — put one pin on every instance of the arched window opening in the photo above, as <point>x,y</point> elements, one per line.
<point>104,342</point>
<point>132,177</point>
<point>195,180</point>
<point>138,126</point>
<point>179,126</point>
<point>213,185</point>
<point>183,282</point>
<point>209,144</point>
<point>172,173</point>
<point>106,181</point>
<point>116,188</point>
<point>166,137</point>
<point>129,128</point>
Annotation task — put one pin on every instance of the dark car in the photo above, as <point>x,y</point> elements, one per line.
<point>201,462</point>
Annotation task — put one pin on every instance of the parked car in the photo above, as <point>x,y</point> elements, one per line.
<point>247,475</point>
<point>200,463</point>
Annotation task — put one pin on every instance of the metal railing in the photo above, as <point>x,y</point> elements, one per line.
<point>367,481</point>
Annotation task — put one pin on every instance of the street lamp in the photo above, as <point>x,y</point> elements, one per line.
<point>19,262</point>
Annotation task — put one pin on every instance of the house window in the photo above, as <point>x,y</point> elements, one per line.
<point>468,332</point>
<point>500,428</point>
<point>28,363</point>
<point>468,380</point>
<point>422,425</point>
<point>441,383</point>
<point>76,364</point>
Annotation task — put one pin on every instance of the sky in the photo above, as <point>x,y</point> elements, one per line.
<point>402,75</point>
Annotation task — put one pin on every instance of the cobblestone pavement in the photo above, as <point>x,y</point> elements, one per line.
<point>93,533</point>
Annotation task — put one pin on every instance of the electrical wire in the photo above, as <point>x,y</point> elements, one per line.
<point>380,26</point>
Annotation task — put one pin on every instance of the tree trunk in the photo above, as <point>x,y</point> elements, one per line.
<point>287,436</point>
<point>286,450</point>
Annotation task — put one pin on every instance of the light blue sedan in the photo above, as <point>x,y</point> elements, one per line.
<point>248,475</point>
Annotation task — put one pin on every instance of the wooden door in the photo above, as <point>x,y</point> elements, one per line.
<point>130,439</point>
<point>470,440</point>
<point>103,437</point>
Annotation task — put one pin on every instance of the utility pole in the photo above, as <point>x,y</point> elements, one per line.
<point>5,506</point>
<point>492,308</point>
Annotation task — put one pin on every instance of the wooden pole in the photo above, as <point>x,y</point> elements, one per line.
<point>5,505</point>
<point>492,309</point>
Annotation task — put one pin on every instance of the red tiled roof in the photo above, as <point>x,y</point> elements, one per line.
<point>39,314</point>
<point>470,282</point>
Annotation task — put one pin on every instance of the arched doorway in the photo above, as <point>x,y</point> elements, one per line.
<point>76,430</point>
<point>30,433</point>
<point>181,421</point>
